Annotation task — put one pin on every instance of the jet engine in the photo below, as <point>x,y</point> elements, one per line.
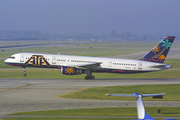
<point>71,70</point>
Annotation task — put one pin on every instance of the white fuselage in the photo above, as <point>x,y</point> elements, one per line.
<point>114,65</point>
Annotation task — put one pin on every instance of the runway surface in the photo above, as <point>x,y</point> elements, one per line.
<point>21,95</point>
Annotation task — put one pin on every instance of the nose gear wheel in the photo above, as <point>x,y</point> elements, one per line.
<point>24,70</point>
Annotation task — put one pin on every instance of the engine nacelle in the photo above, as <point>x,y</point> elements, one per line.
<point>71,70</point>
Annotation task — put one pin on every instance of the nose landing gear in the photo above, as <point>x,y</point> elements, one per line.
<point>24,70</point>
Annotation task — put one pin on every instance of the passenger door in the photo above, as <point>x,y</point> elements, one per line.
<point>110,64</point>
<point>22,58</point>
<point>54,60</point>
<point>140,66</point>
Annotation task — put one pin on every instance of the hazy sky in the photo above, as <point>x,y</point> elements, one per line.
<point>158,17</point>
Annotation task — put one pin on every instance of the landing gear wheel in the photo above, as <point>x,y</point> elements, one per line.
<point>93,77</point>
<point>86,78</point>
<point>24,70</point>
<point>89,77</point>
<point>24,74</point>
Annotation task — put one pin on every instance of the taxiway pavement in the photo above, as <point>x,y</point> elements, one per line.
<point>21,95</point>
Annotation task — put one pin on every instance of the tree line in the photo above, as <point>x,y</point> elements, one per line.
<point>37,35</point>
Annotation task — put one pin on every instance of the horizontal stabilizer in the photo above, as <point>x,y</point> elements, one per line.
<point>137,95</point>
<point>157,66</point>
<point>122,95</point>
<point>165,66</point>
<point>149,95</point>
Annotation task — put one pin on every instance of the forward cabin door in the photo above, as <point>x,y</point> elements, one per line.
<point>110,64</point>
<point>54,60</point>
<point>140,66</point>
<point>22,58</point>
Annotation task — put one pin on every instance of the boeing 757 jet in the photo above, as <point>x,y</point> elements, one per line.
<point>73,65</point>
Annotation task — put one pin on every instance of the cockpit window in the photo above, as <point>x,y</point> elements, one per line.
<point>12,57</point>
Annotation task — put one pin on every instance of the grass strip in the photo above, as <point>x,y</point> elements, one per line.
<point>74,118</point>
<point>121,111</point>
<point>70,118</point>
<point>171,90</point>
<point>56,74</point>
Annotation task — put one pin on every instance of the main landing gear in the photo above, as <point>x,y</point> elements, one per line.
<point>24,70</point>
<point>89,75</point>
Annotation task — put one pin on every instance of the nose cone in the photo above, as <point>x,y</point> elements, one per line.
<point>6,61</point>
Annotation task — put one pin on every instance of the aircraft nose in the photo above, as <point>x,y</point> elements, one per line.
<point>6,61</point>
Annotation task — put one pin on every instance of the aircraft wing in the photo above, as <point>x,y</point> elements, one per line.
<point>137,95</point>
<point>87,66</point>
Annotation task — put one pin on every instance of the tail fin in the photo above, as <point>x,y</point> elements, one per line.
<point>142,115</point>
<point>160,51</point>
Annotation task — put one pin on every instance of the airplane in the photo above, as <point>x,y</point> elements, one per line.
<point>142,115</point>
<point>73,65</point>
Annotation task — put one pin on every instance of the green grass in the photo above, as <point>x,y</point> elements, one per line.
<point>99,49</point>
<point>56,74</point>
<point>5,55</point>
<point>73,51</point>
<point>121,44</point>
<point>3,65</point>
<point>172,93</point>
<point>105,49</point>
<point>71,118</point>
<point>175,63</point>
<point>121,111</point>
<point>166,111</point>
<point>102,49</point>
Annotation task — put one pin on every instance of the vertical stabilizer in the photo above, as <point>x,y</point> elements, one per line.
<point>142,115</point>
<point>160,51</point>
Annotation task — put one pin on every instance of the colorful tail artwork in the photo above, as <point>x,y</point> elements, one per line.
<point>160,51</point>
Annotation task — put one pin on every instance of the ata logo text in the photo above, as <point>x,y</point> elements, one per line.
<point>37,60</point>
